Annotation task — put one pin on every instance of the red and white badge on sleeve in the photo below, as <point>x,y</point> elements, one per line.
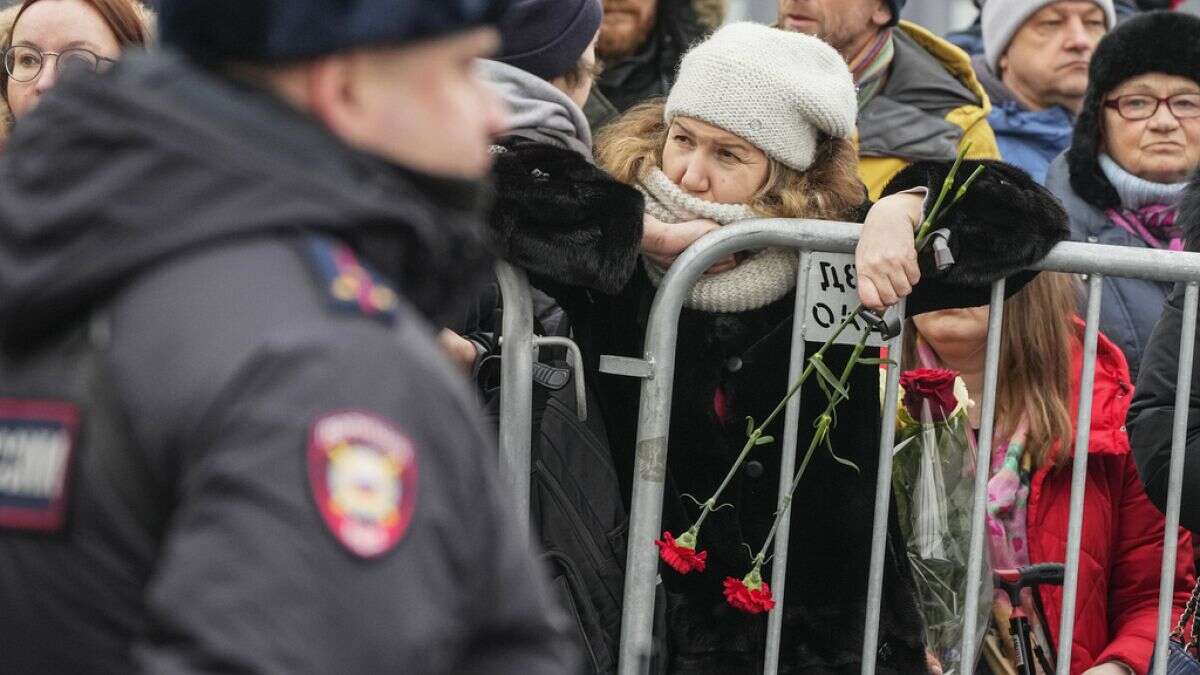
<point>363,474</point>
<point>37,446</point>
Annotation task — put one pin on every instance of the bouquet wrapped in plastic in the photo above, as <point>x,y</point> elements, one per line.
<point>933,478</point>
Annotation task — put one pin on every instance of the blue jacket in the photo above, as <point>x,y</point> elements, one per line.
<point>1129,307</point>
<point>1027,138</point>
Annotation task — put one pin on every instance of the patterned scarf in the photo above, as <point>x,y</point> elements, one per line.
<point>870,68</point>
<point>762,278</point>
<point>1148,208</point>
<point>1155,225</point>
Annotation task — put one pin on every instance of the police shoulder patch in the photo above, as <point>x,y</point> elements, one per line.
<point>37,444</point>
<point>348,284</point>
<point>363,475</point>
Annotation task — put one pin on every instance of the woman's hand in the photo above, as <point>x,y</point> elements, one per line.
<point>663,243</point>
<point>886,256</point>
<point>461,351</point>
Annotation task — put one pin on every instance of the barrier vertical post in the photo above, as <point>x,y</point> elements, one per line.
<point>1083,425</point>
<point>787,467</point>
<point>1183,389</point>
<point>516,386</point>
<point>983,463</point>
<point>883,497</point>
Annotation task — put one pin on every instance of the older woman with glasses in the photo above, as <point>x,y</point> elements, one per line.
<point>1137,140</point>
<point>50,37</point>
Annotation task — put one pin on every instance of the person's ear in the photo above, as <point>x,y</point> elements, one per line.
<point>333,90</point>
<point>1002,64</point>
<point>882,15</point>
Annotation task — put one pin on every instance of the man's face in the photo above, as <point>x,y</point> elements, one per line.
<point>1047,61</point>
<point>626,26</point>
<point>424,106</point>
<point>847,25</point>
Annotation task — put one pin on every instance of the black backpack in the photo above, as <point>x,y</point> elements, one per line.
<point>576,512</point>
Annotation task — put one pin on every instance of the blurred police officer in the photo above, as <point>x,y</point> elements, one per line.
<point>228,442</point>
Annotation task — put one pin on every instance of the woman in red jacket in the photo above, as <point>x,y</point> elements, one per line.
<point>1030,487</point>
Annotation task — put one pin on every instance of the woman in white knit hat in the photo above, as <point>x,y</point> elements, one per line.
<point>760,123</point>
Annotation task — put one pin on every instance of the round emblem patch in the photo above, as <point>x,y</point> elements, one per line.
<point>363,474</point>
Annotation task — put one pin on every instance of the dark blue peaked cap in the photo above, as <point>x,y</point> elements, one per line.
<point>287,30</point>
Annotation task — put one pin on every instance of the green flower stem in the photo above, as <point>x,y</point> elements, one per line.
<point>947,185</point>
<point>824,423</point>
<point>711,504</point>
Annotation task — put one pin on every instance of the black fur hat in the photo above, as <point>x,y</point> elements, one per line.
<point>1154,42</point>
<point>1005,223</point>
<point>215,31</point>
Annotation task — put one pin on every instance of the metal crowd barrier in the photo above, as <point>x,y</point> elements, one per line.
<point>657,371</point>
<point>520,349</point>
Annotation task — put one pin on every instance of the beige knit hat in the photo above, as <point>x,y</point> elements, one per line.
<point>776,89</point>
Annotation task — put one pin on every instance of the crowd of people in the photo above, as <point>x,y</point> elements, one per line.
<point>247,318</point>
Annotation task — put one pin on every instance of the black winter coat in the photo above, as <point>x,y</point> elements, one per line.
<point>578,233</point>
<point>1153,410</point>
<point>229,396</point>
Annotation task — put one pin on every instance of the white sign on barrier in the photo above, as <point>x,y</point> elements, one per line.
<point>833,295</point>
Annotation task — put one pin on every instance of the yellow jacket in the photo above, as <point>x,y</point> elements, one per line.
<point>931,105</point>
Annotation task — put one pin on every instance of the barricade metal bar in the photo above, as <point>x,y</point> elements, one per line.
<point>883,498</point>
<point>516,385</point>
<point>787,466</point>
<point>657,384</point>
<point>1183,392</point>
<point>650,461</point>
<point>1083,426</point>
<point>983,464</point>
<point>1121,261</point>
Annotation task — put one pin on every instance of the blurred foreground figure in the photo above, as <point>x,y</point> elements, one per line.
<point>226,443</point>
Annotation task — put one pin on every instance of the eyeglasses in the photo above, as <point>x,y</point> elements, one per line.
<point>1135,107</point>
<point>24,64</point>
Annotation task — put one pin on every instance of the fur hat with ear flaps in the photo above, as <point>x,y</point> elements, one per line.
<point>1005,223</point>
<point>1154,42</point>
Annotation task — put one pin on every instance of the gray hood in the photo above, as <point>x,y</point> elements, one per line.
<point>538,111</point>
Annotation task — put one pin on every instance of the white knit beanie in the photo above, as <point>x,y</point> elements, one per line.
<point>1003,18</point>
<point>776,89</point>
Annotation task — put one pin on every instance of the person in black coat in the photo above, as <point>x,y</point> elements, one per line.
<point>699,164</point>
<point>1151,417</point>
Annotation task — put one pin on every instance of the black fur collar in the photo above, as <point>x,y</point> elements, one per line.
<point>564,219</point>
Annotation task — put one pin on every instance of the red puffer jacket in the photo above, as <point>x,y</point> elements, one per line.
<point>1122,546</point>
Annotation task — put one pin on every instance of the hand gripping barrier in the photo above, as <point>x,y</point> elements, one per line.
<point>657,371</point>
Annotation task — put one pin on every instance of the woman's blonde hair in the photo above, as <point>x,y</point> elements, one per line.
<point>1038,335</point>
<point>830,190</point>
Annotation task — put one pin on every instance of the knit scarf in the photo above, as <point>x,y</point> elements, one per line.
<point>1148,209</point>
<point>870,67</point>
<point>764,277</point>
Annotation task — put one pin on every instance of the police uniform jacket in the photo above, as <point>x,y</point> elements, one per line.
<point>227,440</point>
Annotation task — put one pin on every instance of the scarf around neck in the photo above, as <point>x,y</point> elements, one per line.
<point>764,277</point>
<point>1148,209</point>
<point>870,67</point>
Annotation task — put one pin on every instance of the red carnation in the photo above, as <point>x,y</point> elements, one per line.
<point>935,385</point>
<point>680,554</point>
<point>751,594</point>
